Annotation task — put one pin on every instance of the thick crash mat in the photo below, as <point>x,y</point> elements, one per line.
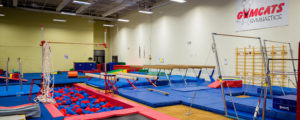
<point>226,83</point>
<point>285,103</point>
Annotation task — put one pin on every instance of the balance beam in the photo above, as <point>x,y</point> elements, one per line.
<point>138,75</point>
<point>165,93</point>
<point>158,67</point>
<point>201,66</point>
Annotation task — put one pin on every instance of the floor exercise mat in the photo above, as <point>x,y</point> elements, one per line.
<point>186,89</point>
<point>16,90</point>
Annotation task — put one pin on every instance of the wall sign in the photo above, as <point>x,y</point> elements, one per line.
<point>257,14</point>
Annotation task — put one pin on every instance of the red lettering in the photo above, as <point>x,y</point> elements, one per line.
<point>246,14</point>
<point>240,15</point>
<point>261,11</point>
<point>253,12</point>
<point>280,7</point>
<point>268,10</point>
<point>274,8</point>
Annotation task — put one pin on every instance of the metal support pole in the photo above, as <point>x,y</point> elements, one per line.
<point>214,48</point>
<point>170,83</point>
<point>267,78</point>
<point>183,77</point>
<point>171,72</point>
<point>211,76</point>
<point>6,73</point>
<point>42,45</point>
<point>294,67</point>
<point>199,74</point>
<point>268,69</point>
<point>20,73</point>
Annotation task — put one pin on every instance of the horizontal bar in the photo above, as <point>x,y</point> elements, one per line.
<point>236,36</point>
<point>281,59</point>
<point>75,43</point>
<point>276,41</point>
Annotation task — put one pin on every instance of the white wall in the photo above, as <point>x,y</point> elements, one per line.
<point>167,32</point>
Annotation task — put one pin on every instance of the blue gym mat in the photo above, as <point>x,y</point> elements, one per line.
<point>16,90</point>
<point>277,90</point>
<point>208,99</point>
<point>61,78</point>
<point>249,104</point>
<point>186,89</point>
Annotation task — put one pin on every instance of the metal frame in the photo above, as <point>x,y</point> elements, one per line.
<point>291,52</point>
<point>267,80</point>
<point>20,73</point>
<point>6,73</point>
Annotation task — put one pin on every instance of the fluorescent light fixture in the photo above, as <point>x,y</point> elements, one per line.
<point>1,15</point>
<point>59,20</point>
<point>68,13</point>
<point>1,5</point>
<point>81,2</point>
<point>178,1</point>
<point>91,21</point>
<point>108,25</point>
<point>145,11</point>
<point>123,20</point>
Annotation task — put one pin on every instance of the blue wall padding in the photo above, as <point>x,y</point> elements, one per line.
<point>16,90</point>
<point>278,91</point>
<point>110,66</point>
<point>85,66</point>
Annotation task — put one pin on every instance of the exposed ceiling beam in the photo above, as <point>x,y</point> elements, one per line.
<point>15,3</point>
<point>80,15</point>
<point>62,5</point>
<point>124,5</point>
<point>82,8</point>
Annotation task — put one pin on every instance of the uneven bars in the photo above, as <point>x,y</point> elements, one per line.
<point>236,36</point>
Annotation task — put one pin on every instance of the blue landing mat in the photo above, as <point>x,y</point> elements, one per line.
<point>209,99</point>
<point>16,90</point>
<point>153,99</point>
<point>186,89</point>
